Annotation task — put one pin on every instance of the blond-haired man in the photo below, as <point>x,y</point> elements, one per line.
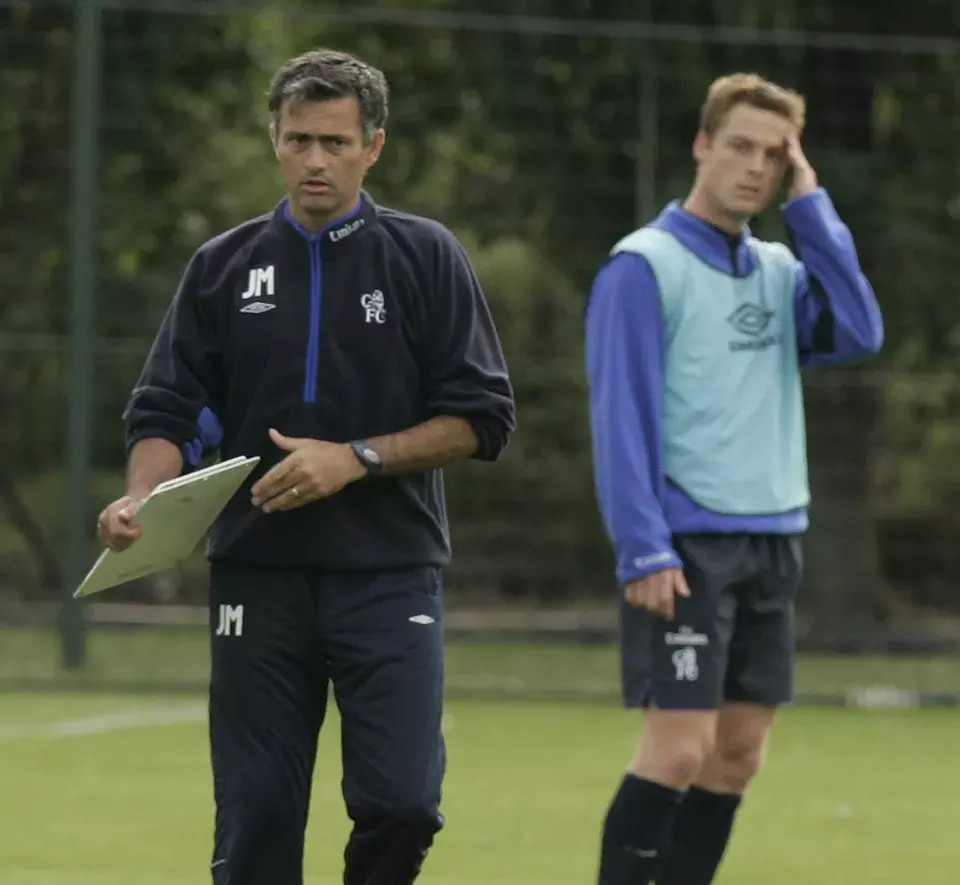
<point>696,334</point>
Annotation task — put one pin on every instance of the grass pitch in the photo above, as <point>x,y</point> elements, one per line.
<point>99,789</point>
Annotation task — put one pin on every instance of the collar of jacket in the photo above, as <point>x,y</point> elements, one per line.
<point>725,252</point>
<point>337,234</point>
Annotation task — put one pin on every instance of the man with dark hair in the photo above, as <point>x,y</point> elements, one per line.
<point>350,347</point>
<point>696,336</point>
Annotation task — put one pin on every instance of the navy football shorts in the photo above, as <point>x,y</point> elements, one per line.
<point>732,640</point>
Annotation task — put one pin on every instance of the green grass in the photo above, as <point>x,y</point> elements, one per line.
<point>852,796</point>
<point>858,797</point>
<point>179,655</point>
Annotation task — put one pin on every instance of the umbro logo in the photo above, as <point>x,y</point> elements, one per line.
<point>750,319</point>
<point>258,307</point>
<point>421,619</point>
<point>753,321</point>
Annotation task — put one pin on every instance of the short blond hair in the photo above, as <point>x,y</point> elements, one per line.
<point>750,89</point>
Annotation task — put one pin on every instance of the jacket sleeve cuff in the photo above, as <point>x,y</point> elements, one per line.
<point>491,438</point>
<point>632,566</point>
<point>808,209</point>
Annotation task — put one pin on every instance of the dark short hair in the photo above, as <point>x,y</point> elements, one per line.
<point>324,75</point>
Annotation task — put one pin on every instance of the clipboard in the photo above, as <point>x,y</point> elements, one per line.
<point>174,518</point>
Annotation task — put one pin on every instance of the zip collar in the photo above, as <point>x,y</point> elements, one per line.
<point>731,254</point>
<point>335,235</point>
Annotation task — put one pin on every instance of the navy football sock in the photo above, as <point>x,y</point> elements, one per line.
<point>636,830</point>
<point>699,839</point>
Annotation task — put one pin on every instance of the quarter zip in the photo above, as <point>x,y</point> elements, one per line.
<point>314,242</point>
<point>313,339</point>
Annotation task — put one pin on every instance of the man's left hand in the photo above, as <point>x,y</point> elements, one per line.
<point>803,178</point>
<point>314,469</point>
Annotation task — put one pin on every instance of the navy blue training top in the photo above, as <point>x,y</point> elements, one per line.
<point>368,327</point>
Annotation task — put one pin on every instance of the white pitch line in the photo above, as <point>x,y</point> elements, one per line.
<point>108,722</point>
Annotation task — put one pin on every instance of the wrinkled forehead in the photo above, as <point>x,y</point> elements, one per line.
<point>319,117</point>
<point>765,128</point>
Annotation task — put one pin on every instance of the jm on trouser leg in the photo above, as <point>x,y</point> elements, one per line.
<point>378,638</point>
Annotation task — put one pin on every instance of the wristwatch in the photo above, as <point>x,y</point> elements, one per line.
<point>367,456</point>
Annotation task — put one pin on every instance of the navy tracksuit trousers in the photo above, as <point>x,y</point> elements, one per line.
<point>278,639</point>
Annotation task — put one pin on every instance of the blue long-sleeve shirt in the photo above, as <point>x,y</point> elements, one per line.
<point>838,320</point>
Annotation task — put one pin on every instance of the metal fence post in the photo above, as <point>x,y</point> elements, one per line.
<point>648,112</point>
<point>83,246</point>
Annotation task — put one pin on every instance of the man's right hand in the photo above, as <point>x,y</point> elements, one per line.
<point>656,592</point>
<point>115,527</point>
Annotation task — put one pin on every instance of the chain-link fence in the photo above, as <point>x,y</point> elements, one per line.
<point>540,142</point>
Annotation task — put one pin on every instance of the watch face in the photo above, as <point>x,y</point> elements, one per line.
<point>368,456</point>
